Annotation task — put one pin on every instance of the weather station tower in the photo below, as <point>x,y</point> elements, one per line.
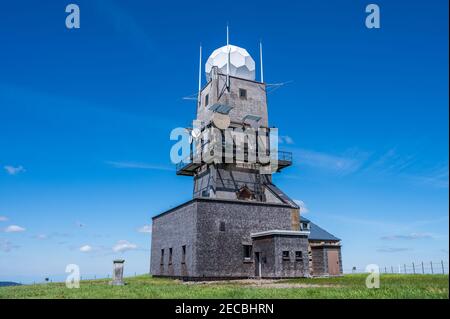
<point>238,223</point>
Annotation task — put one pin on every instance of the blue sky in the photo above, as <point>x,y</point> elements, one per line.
<point>85,118</point>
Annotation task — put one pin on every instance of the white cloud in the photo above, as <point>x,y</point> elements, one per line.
<point>285,139</point>
<point>138,165</point>
<point>302,205</point>
<point>41,236</point>
<point>3,218</point>
<point>350,162</point>
<point>145,229</point>
<point>14,229</point>
<point>408,237</point>
<point>86,248</point>
<point>123,245</point>
<point>7,246</point>
<point>392,249</point>
<point>11,170</point>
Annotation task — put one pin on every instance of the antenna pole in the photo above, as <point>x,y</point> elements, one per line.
<point>200,71</point>
<point>228,62</point>
<point>261,60</point>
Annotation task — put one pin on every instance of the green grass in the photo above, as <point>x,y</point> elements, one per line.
<point>349,286</point>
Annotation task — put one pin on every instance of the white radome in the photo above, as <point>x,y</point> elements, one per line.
<point>242,64</point>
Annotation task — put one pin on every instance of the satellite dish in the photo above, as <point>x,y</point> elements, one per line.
<point>221,121</point>
<point>196,133</point>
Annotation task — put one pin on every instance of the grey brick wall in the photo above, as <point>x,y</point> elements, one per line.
<point>221,253</point>
<point>291,268</point>
<point>173,230</point>
<point>212,253</point>
<point>320,259</point>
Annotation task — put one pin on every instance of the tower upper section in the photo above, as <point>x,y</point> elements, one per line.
<point>241,64</point>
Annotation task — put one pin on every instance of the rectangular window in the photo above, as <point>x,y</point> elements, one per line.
<point>285,255</point>
<point>170,256</point>
<point>298,256</point>
<point>243,93</point>
<point>247,252</point>
<point>305,226</point>
<point>222,226</point>
<point>183,256</point>
<point>206,99</point>
<point>162,257</point>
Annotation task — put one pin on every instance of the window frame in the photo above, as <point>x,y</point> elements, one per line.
<point>247,249</point>
<point>183,254</point>
<point>301,255</point>
<point>206,100</point>
<point>286,258</point>
<point>244,95</point>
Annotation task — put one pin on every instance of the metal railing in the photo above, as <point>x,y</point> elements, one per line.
<point>282,156</point>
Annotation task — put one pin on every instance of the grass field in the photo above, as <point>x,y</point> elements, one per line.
<point>348,286</point>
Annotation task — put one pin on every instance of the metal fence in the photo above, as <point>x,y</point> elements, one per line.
<point>422,267</point>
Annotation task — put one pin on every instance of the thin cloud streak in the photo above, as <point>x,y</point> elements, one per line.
<point>350,162</point>
<point>14,229</point>
<point>411,236</point>
<point>12,170</point>
<point>392,249</point>
<point>138,165</point>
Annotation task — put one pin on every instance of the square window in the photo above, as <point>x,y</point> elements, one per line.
<point>247,252</point>
<point>298,256</point>
<point>206,99</point>
<point>285,255</point>
<point>222,226</point>
<point>243,93</point>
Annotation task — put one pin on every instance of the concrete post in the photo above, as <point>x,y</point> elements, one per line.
<point>117,272</point>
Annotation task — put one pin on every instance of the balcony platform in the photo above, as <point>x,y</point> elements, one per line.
<point>188,169</point>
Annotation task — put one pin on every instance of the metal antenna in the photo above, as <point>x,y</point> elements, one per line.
<point>228,62</point>
<point>200,75</point>
<point>200,71</point>
<point>261,60</point>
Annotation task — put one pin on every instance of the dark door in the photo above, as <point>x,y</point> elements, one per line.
<point>257,265</point>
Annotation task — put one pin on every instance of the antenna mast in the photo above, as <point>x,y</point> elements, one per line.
<point>261,60</point>
<point>228,62</point>
<point>200,71</point>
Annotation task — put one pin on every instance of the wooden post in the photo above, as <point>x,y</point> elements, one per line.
<point>431,263</point>
<point>414,269</point>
